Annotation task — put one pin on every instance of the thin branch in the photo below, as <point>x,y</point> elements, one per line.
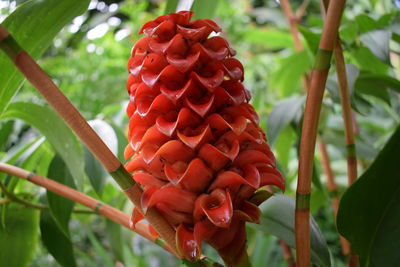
<point>333,189</point>
<point>287,254</point>
<point>309,131</point>
<point>97,206</point>
<point>41,81</point>
<point>14,198</point>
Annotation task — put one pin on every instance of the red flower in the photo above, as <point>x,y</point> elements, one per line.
<point>194,141</point>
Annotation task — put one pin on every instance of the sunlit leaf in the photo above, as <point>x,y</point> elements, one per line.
<point>34,24</point>
<point>52,127</point>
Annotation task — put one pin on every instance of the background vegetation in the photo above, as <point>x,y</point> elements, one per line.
<point>87,60</point>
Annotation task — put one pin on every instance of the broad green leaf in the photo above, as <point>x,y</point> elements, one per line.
<point>34,24</point>
<point>366,60</point>
<point>283,145</point>
<point>60,207</point>
<point>18,238</point>
<point>95,171</point>
<point>56,242</point>
<point>378,82</point>
<point>56,132</point>
<point>378,42</point>
<point>282,114</point>
<point>365,23</point>
<point>271,38</point>
<point>278,219</point>
<point>374,86</point>
<point>286,79</point>
<point>369,212</point>
<point>204,9</point>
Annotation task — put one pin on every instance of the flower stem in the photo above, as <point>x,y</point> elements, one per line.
<point>78,124</point>
<point>309,132</point>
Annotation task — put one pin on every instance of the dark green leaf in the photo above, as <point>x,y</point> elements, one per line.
<point>204,9</point>
<point>53,128</point>
<point>282,114</point>
<point>369,212</point>
<point>60,207</point>
<point>278,219</point>
<point>34,24</point>
<point>114,235</point>
<point>18,238</point>
<point>378,82</point>
<point>365,23</point>
<point>56,242</point>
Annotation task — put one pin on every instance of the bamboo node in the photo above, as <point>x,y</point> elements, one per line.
<point>351,150</point>
<point>323,59</point>
<point>10,47</point>
<point>123,178</point>
<point>302,201</point>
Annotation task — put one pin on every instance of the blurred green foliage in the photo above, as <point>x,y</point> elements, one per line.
<point>87,60</point>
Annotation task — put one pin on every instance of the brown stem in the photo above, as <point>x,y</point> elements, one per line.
<point>107,211</point>
<point>78,124</point>
<point>287,254</point>
<point>309,131</point>
<point>332,188</point>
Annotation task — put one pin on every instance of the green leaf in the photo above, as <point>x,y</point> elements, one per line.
<point>369,212</point>
<point>60,207</point>
<point>34,24</point>
<point>18,238</point>
<point>365,23</point>
<point>100,251</point>
<point>56,132</point>
<point>171,6</point>
<point>6,129</point>
<point>93,168</point>
<point>312,38</point>
<point>204,9</point>
<point>378,81</point>
<point>378,42</point>
<point>282,114</point>
<point>366,60</point>
<point>56,242</point>
<point>114,236</point>
<point>278,219</point>
<point>271,38</point>
<point>286,79</point>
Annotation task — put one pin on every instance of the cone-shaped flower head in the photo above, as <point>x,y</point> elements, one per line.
<point>194,141</point>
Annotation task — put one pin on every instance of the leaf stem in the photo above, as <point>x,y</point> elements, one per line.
<point>78,124</point>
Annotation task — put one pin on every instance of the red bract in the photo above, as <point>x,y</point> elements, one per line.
<point>194,141</point>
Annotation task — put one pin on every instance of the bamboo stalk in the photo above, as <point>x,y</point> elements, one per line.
<point>309,131</point>
<point>350,125</point>
<point>78,124</point>
<point>95,205</point>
